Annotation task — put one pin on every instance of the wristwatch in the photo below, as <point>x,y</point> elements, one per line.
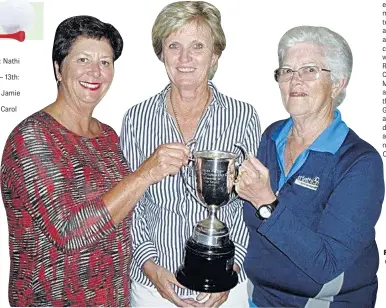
<point>265,211</point>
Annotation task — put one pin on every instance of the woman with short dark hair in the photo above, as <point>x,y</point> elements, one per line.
<point>67,190</point>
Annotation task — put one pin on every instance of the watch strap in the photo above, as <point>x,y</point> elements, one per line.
<point>270,206</point>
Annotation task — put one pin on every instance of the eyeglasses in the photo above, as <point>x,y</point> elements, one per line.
<point>306,73</point>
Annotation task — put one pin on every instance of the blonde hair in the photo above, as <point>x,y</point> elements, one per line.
<point>178,14</point>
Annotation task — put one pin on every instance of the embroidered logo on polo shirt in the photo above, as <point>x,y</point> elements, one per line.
<point>307,182</point>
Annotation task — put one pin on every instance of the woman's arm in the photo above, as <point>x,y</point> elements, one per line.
<point>143,246</point>
<point>346,228</point>
<point>36,171</point>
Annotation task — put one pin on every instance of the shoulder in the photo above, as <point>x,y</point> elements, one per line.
<point>273,128</point>
<point>231,102</point>
<point>32,126</point>
<point>358,159</point>
<point>235,106</point>
<point>267,144</point>
<point>27,135</point>
<point>355,150</point>
<point>360,166</point>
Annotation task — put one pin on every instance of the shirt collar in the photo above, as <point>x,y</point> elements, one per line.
<point>217,98</point>
<point>329,140</point>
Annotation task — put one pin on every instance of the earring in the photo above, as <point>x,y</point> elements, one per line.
<point>58,82</point>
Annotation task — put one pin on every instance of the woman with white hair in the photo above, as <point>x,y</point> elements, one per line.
<point>314,193</point>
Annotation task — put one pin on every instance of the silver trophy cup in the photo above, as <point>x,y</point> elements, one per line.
<point>209,252</point>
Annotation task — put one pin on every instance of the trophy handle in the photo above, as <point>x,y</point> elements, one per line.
<point>244,154</point>
<point>190,188</point>
<point>184,179</point>
<point>189,145</point>
<point>243,149</point>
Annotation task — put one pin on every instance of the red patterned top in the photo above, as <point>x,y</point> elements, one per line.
<point>64,247</point>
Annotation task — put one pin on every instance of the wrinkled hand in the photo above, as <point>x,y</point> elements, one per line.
<point>166,160</point>
<point>253,183</point>
<point>164,281</point>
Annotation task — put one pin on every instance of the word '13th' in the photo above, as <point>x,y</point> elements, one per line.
<point>10,77</point>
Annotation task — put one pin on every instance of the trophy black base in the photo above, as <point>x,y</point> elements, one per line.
<point>208,269</point>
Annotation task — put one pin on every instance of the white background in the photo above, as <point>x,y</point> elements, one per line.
<point>253,30</point>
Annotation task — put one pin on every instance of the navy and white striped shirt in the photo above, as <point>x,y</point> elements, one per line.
<point>166,215</point>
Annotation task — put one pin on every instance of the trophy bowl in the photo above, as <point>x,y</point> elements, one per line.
<point>209,252</point>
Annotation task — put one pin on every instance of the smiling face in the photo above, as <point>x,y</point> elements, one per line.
<point>87,71</point>
<point>304,98</point>
<point>188,55</point>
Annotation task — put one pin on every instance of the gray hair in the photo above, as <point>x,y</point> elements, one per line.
<point>337,52</point>
<point>178,14</point>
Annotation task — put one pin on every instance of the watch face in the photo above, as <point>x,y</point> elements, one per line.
<point>264,212</point>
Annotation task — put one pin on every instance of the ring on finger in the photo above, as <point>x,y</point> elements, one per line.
<point>241,173</point>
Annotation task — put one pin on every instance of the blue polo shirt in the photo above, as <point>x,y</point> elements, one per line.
<point>329,141</point>
<point>318,248</point>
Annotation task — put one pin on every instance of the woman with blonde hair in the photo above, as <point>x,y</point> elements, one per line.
<point>189,40</point>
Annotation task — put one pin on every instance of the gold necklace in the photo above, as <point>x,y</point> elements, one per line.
<point>178,122</point>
